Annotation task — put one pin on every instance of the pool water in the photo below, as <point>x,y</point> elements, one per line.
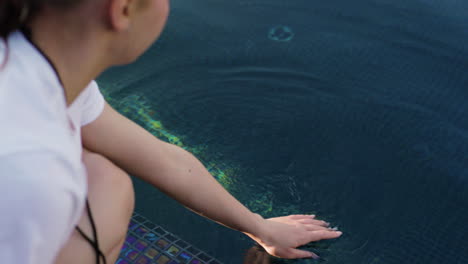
<point>356,111</point>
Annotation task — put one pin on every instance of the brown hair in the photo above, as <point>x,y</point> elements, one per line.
<point>13,14</point>
<point>16,13</point>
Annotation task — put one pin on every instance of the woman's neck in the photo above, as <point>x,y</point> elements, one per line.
<point>74,48</point>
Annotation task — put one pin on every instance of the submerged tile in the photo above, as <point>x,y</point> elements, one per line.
<point>163,259</point>
<point>173,250</point>
<point>141,245</point>
<point>151,253</point>
<point>162,243</point>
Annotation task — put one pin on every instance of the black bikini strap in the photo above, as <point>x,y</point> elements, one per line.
<point>95,243</point>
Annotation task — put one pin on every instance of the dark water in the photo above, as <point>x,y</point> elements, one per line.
<point>354,110</point>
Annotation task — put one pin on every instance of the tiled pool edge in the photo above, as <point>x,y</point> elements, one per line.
<point>148,243</point>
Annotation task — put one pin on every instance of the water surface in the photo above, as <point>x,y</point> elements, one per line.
<point>353,110</point>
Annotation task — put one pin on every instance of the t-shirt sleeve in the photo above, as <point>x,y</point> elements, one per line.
<point>93,104</point>
<point>39,208</point>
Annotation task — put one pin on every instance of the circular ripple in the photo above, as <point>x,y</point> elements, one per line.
<point>281,33</point>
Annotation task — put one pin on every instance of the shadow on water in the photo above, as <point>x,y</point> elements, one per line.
<point>353,110</point>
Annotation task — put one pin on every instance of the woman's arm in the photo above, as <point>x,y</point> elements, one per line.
<point>177,173</point>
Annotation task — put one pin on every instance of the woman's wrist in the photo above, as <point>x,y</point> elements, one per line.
<point>256,230</point>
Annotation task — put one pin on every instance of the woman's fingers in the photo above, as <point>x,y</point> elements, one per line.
<point>313,222</point>
<point>310,227</point>
<point>297,253</point>
<point>301,216</point>
<point>323,234</point>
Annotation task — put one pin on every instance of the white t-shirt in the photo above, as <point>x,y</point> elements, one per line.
<point>42,178</point>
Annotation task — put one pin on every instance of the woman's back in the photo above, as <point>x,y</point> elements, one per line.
<point>40,154</point>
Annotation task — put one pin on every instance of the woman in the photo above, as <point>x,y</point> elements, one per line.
<point>65,153</point>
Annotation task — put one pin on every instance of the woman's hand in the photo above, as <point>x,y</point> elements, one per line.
<point>280,236</point>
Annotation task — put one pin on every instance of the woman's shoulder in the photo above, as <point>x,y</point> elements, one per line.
<point>32,107</point>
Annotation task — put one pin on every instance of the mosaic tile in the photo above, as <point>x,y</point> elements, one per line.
<point>162,243</point>
<point>150,225</point>
<point>133,225</point>
<point>141,245</point>
<point>151,253</point>
<point>124,247</point>
<point>122,261</point>
<point>193,250</point>
<point>184,257</point>
<point>138,218</point>
<point>130,239</point>
<point>141,231</point>
<point>181,244</point>
<point>204,257</point>
<point>146,242</point>
<point>151,237</point>
<point>163,259</point>
<point>143,260</point>
<point>131,254</point>
<point>160,231</point>
<point>173,250</point>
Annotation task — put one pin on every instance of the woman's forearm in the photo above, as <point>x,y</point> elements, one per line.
<point>184,178</point>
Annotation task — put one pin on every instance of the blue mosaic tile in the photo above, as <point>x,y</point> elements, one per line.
<point>141,245</point>
<point>184,257</point>
<point>125,246</point>
<point>151,237</point>
<point>131,254</point>
<point>141,231</point>
<point>130,239</point>
<point>132,225</point>
<point>148,243</point>
<point>122,261</point>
